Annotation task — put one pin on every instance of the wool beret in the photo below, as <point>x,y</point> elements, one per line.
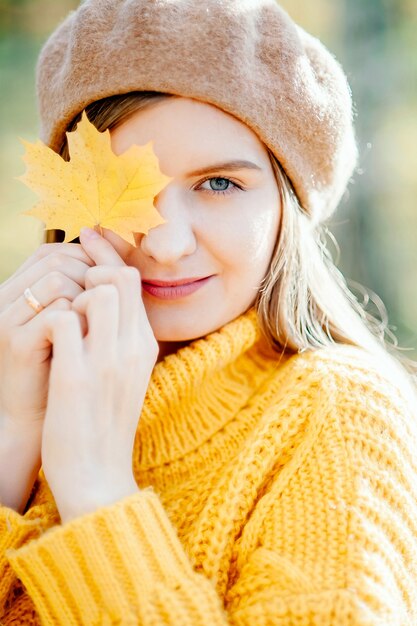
<point>247,57</point>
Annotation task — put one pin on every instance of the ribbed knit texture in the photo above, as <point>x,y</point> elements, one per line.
<point>271,492</point>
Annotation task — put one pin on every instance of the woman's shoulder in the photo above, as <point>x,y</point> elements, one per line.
<point>343,380</point>
<point>352,368</point>
<point>337,403</point>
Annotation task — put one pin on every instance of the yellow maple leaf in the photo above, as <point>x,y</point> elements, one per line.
<point>96,186</point>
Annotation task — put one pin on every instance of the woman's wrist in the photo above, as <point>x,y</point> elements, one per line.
<point>19,429</point>
<point>20,461</point>
<point>86,500</point>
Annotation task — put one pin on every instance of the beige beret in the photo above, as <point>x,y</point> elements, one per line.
<point>246,57</point>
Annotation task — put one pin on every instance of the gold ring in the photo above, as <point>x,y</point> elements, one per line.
<point>31,300</point>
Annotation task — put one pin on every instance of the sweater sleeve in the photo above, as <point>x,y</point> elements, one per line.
<point>121,564</point>
<point>335,541</point>
<point>17,530</point>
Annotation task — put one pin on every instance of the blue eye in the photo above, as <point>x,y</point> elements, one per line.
<point>219,186</point>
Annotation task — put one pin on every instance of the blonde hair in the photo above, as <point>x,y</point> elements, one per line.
<point>304,302</point>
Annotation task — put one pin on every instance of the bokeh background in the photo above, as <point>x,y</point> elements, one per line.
<point>376,224</point>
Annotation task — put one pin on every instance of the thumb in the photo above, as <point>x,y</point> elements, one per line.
<point>99,249</point>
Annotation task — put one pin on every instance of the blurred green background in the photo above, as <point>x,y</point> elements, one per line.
<point>376,223</point>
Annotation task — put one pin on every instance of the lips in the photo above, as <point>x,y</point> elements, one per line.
<point>173,283</point>
<point>171,292</point>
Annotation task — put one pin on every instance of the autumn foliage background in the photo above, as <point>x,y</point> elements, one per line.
<point>375,226</point>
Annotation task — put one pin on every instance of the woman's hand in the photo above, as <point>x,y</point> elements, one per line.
<point>55,273</point>
<point>97,386</point>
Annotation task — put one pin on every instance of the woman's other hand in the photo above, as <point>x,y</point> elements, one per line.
<point>97,385</point>
<point>56,275</point>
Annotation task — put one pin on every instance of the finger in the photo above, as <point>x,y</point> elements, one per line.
<point>74,269</point>
<point>100,306</point>
<point>71,250</point>
<point>99,249</point>
<point>128,282</point>
<point>49,288</point>
<point>33,335</point>
<point>63,330</point>
<point>122,247</point>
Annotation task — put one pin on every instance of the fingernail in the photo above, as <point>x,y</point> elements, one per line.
<point>89,233</point>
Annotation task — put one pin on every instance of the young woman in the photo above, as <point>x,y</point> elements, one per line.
<point>239,450</point>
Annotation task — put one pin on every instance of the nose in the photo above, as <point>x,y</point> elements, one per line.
<point>175,238</point>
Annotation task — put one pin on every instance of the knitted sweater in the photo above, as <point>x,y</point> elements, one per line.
<point>271,492</point>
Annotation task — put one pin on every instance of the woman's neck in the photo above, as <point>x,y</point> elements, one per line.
<point>169,347</point>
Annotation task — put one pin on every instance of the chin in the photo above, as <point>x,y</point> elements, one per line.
<point>182,323</point>
<point>167,327</point>
<point>176,337</point>
<point>169,330</point>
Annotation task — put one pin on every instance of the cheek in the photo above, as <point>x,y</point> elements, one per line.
<point>243,239</point>
<point>261,237</point>
<point>255,235</point>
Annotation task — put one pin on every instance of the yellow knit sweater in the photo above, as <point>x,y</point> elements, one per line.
<point>271,493</point>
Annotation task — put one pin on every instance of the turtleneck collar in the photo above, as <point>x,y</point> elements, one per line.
<point>195,391</point>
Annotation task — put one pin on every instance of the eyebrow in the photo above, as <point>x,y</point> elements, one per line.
<point>227,165</point>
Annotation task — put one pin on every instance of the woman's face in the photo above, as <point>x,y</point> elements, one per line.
<point>221,221</point>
